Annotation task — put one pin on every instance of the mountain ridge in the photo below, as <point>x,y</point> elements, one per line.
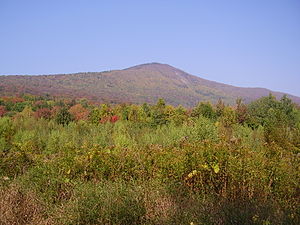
<point>137,84</point>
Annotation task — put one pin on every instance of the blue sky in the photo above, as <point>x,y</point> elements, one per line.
<point>250,43</point>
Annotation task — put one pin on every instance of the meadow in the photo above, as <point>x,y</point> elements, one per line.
<point>77,162</point>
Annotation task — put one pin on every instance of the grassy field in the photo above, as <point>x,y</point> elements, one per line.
<point>78,163</point>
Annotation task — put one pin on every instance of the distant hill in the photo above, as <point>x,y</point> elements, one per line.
<point>138,84</point>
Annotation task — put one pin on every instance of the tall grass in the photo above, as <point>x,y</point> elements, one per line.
<point>199,172</point>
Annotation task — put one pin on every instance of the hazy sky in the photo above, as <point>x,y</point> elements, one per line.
<point>244,42</point>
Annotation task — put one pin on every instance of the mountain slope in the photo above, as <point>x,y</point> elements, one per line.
<point>138,84</point>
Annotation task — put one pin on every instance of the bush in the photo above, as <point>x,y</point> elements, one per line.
<point>64,117</point>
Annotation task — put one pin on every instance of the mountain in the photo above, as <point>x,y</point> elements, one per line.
<point>138,84</point>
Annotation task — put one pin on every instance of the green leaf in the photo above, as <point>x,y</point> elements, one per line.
<point>216,168</point>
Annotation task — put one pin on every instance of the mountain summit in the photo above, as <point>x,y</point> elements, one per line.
<point>138,84</point>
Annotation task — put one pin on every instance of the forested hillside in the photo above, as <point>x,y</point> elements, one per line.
<point>139,84</point>
<point>77,162</point>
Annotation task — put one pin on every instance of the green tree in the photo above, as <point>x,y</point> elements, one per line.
<point>179,115</point>
<point>258,110</point>
<point>229,117</point>
<point>279,118</point>
<point>133,113</point>
<point>158,115</point>
<point>204,109</point>
<point>220,106</point>
<point>146,109</point>
<point>125,112</point>
<point>64,117</point>
<point>95,116</point>
<point>289,109</point>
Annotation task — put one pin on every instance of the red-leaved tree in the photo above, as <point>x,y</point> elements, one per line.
<point>2,110</point>
<point>43,113</point>
<point>114,118</point>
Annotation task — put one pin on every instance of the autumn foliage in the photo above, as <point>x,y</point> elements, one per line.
<point>114,118</point>
<point>43,113</point>
<point>2,110</point>
<point>68,162</point>
<point>79,112</point>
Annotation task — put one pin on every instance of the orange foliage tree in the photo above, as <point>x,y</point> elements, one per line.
<point>79,112</point>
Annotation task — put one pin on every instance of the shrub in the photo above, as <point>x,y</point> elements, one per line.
<point>204,109</point>
<point>63,117</point>
<point>2,110</point>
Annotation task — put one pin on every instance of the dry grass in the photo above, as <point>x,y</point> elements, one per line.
<point>159,207</point>
<point>20,207</point>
